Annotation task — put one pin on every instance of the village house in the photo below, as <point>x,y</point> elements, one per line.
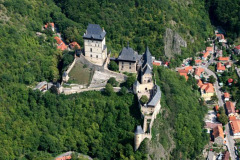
<point>235,126</point>
<point>95,44</point>
<point>128,60</point>
<point>74,45</point>
<point>221,38</point>
<point>226,155</point>
<point>184,72</point>
<point>51,25</point>
<point>205,55</point>
<point>230,108</point>
<point>210,125</point>
<point>60,44</point>
<point>198,72</point>
<point>207,90</point>
<point>226,96</point>
<point>230,81</point>
<point>218,135</point>
<point>210,50</point>
<point>220,68</point>
<point>43,86</point>
<point>223,59</point>
<point>157,63</point>
<point>237,49</point>
<point>198,62</point>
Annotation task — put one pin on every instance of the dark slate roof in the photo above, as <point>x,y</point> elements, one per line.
<point>65,74</point>
<point>58,85</point>
<point>139,130</point>
<point>136,83</point>
<point>128,54</point>
<point>147,58</point>
<point>147,70</point>
<point>156,97</point>
<point>94,31</point>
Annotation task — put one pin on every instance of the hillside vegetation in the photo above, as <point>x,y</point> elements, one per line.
<point>179,128</point>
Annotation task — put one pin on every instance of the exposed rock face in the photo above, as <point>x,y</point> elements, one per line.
<point>173,43</point>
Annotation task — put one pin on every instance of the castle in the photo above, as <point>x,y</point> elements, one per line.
<point>95,45</point>
<point>129,61</point>
<point>145,86</point>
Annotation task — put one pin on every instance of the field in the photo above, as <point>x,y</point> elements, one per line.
<point>80,74</point>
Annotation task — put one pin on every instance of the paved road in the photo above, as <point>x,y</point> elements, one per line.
<point>230,142</point>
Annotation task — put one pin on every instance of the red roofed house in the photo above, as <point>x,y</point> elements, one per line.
<point>226,96</point>
<point>205,55</point>
<point>230,108</point>
<point>218,135</point>
<point>226,155</point>
<point>61,45</point>
<point>50,24</point>
<point>221,38</point>
<point>156,63</point>
<point>198,62</point>
<point>230,81</point>
<point>209,49</point>
<point>235,126</point>
<point>232,118</point>
<point>237,49</point>
<point>220,68</point>
<point>216,108</point>
<point>207,91</point>
<point>198,72</point>
<point>166,64</point>
<point>209,126</point>
<point>73,45</point>
<point>223,58</point>
<point>184,73</point>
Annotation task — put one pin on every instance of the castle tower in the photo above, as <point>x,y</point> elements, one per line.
<point>94,44</point>
<point>138,137</point>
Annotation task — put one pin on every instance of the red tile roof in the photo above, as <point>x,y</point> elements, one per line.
<point>73,44</point>
<point>205,54</point>
<point>208,87</point>
<point>46,25</point>
<point>230,107</point>
<point>199,83</point>
<point>198,71</point>
<point>218,132</point>
<point>220,36</point>
<point>226,95</point>
<point>212,125</point>
<point>188,68</point>
<point>61,44</point>
<point>223,58</point>
<point>220,67</point>
<point>230,80</point>
<point>184,73</point>
<point>156,64</point>
<point>209,49</point>
<point>238,47</point>
<point>197,61</point>
<point>216,107</point>
<point>232,118</point>
<point>235,125</point>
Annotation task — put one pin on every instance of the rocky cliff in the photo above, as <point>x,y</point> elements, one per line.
<point>173,43</point>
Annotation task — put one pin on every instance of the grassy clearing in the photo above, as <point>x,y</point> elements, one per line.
<point>81,74</point>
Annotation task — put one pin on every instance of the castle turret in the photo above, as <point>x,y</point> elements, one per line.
<point>138,138</point>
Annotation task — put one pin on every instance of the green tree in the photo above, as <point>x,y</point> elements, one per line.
<point>113,82</point>
<point>123,90</point>
<point>223,118</point>
<point>113,66</point>
<point>214,98</point>
<point>212,79</point>
<point>143,99</point>
<point>130,80</point>
<point>109,89</point>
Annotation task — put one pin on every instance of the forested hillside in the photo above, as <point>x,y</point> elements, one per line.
<point>225,13</point>
<point>179,127</point>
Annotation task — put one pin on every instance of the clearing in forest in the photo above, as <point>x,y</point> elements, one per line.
<point>80,74</point>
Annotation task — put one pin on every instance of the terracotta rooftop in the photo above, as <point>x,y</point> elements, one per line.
<point>226,95</point>
<point>184,73</point>
<point>216,107</point>
<point>223,58</point>
<point>156,64</point>
<point>235,125</point>
<point>198,71</point>
<point>73,44</point>
<point>230,107</point>
<point>220,67</point>
<point>206,54</point>
<point>199,83</point>
<point>188,68</point>
<point>232,118</point>
<point>220,36</point>
<point>198,61</point>
<point>209,49</point>
<point>212,125</point>
<point>238,47</point>
<point>208,87</point>
<point>218,132</point>
<point>46,25</point>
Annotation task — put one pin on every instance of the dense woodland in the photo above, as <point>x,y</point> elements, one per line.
<point>39,126</point>
<point>226,13</point>
<point>182,116</point>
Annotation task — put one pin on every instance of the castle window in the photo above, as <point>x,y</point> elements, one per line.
<point>90,55</point>
<point>129,63</point>
<point>90,49</point>
<point>145,88</point>
<point>97,56</point>
<point>130,67</point>
<point>122,63</point>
